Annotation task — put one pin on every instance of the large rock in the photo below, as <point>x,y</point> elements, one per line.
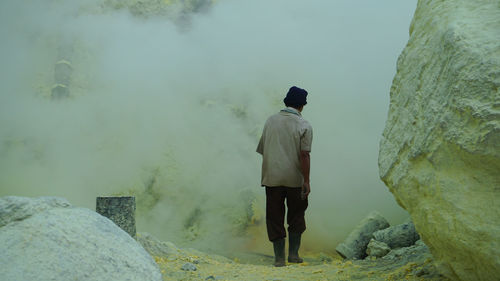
<point>440,151</point>
<point>47,239</point>
<point>401,235</point>
<point>354,246</point>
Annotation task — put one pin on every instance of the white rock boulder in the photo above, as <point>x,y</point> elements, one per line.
<point>440,151</point>
<point>47,239</point>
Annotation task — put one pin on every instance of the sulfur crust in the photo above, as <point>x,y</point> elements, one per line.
<point>440,151</point>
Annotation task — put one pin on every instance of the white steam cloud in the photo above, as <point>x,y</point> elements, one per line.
<point>171,111</point>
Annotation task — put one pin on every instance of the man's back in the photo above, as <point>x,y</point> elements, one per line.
<point>285,135</point>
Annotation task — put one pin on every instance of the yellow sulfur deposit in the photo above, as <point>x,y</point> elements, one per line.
<point>215,267</point>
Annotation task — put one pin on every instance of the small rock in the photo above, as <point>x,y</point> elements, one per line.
<point>189,267</point>
<point>419,249</point>
<point>403,235</point>
<point>377,249</point>
<point>354,246</point>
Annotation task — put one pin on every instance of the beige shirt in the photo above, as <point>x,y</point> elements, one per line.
<point>285,135</point>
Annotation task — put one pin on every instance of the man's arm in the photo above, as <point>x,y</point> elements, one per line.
<point>305,162</point>
<point>260,146</point>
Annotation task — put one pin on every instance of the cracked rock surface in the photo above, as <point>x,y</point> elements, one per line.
<point>440,150</point>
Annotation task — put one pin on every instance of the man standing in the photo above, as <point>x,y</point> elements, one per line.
<point>285,146</point>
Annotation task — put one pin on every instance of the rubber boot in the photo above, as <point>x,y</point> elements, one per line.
<point>293,247</point>
<point>279,252</point>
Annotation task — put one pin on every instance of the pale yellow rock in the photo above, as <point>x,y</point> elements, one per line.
<point>440,151</point>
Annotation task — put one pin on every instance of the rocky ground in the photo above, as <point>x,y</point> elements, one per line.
<point>409,263</point>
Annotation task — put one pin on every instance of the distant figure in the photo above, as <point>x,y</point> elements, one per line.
<point>285,146</point>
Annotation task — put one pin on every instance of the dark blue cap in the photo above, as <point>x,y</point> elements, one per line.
<point>295,97</point>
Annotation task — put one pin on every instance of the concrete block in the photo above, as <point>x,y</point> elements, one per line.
<point>121,210</point>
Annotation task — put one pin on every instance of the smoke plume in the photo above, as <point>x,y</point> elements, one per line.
<point>166,100</point>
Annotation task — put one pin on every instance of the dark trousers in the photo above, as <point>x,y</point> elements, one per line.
<point>275,211</point>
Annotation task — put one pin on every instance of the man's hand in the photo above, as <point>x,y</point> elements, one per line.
<point>305,162</point>
<point>306,189</point>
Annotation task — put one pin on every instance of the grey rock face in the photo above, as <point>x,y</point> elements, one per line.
<point>354,246</point>
<point>377,249</point>
<point>121,210</point>
<point>403,235</point>
<point>47,239</point>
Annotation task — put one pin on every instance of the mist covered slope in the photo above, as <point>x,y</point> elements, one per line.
<point>165,100</point>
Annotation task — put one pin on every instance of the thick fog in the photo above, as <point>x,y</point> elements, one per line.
<point>169,107</point>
